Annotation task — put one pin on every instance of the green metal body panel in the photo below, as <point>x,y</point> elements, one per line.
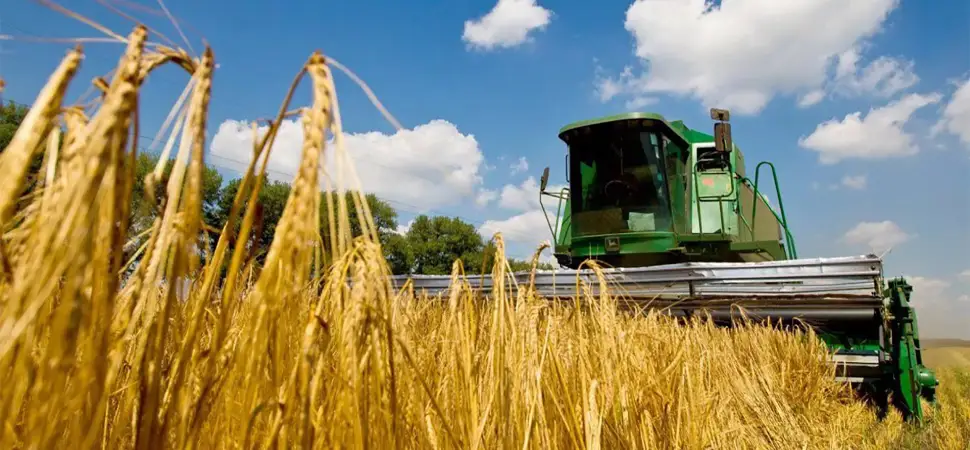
<point>693,203</point>
<point>912,380</point>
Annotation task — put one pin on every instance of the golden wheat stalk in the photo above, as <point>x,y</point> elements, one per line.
<point>33,131</point>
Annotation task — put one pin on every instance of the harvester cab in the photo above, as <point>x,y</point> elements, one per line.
<point>642,191</point>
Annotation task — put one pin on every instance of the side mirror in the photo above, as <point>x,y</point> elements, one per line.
<point>720,115</point>
<point>544,180</point>
<point>722,130</point>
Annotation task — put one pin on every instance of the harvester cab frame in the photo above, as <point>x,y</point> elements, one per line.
<point>705,209</point>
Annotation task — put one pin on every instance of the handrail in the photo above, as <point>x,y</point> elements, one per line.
<point>790,249</point>
<point>790,240</point>
<point>745,221</point>
<point>788,236</point>
<point>563,192</point>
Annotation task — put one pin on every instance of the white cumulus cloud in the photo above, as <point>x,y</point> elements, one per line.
<point>430,166</point>
<point>956,115</point>
<point>883,77</point>
<point>519,166</point>
<point>485,196</point>
<point>928,287</point>
<point>520,198</point>
<point>508,24</point>
<point>942,312</point>
<point>523,233</point>
<point>528,229</point>
<point>742,53</point>
<point>877,236</point>
<point>811,98</point>
<point>639,102</point>
<point>855,181</point>
<point>525,196</point>
<point>403,228</point>
<point>878,135</point>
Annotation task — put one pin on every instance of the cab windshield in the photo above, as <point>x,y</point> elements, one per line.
<point>618,174</point>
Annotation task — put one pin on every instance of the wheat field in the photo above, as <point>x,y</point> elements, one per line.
<point>100,352</point>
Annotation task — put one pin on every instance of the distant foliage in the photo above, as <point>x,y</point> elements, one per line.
<point>432,245</point>
<point>11,115</point>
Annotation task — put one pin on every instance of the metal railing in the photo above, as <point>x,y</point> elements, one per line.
<point>783,220</point>
<point>562,195</point>
<point>790,250</point>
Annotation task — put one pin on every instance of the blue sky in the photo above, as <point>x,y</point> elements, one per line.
<point>481,85</point>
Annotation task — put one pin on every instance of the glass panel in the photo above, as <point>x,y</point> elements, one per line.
<point>618,174</point>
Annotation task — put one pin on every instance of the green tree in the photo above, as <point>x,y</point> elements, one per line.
<point>397,250</point>
<point>143,213</point>
<point>434,243</point>
<point>11,116</point>
<point>269,209</point>
<point>525,265</point>
<point>516,265</point>
<point>384,215</point>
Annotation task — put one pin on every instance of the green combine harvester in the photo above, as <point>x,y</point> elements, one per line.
<point>674,215</point>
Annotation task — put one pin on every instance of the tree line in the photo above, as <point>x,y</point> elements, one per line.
<point>430,245</point>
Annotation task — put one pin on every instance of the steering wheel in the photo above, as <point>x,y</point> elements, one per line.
<point>611,186</point>
<point>712,160</point>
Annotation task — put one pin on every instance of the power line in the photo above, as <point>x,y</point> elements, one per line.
<point>403,206</point>
<point>414,209</point>
<point>111,62</point>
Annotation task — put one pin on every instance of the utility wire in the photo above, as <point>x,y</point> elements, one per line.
<point>400,205</point>
<point>414,209</point>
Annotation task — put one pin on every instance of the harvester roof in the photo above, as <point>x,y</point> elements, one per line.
<point>657,119</point>
<point>692,135</point>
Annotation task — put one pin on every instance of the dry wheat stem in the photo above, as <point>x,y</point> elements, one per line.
<point>33,130</point>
